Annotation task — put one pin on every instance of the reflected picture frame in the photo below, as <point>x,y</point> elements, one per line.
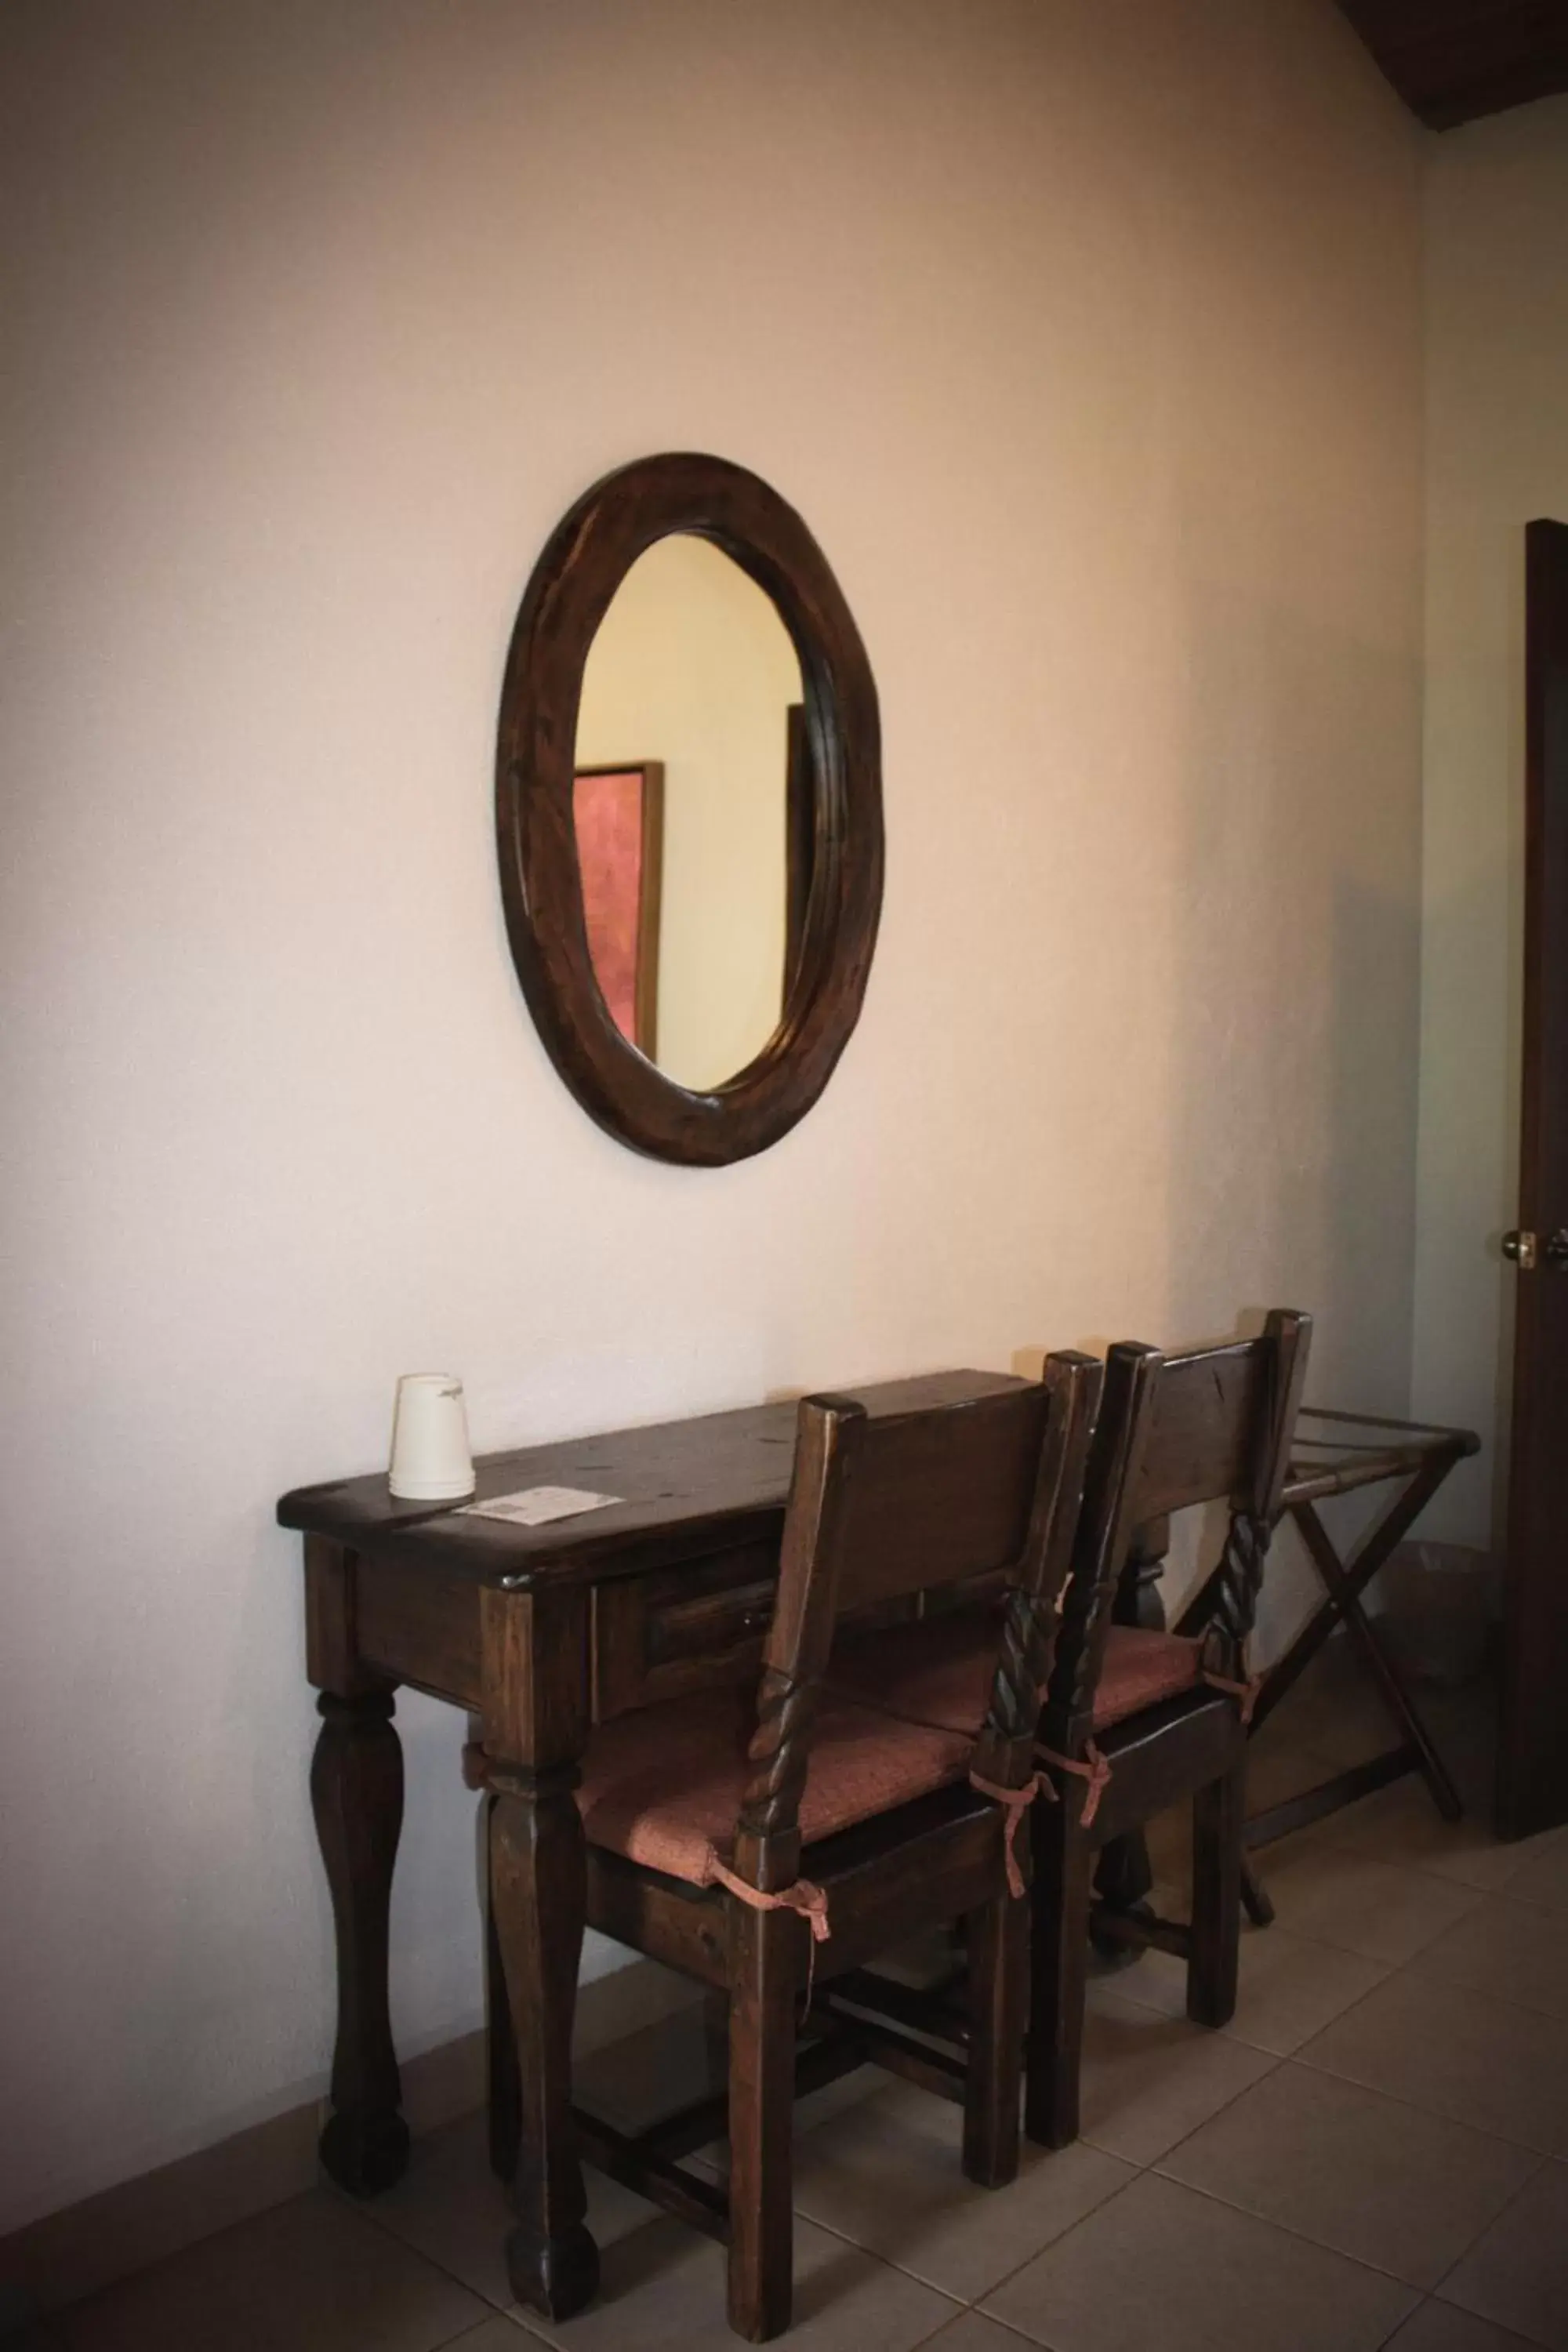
<point>617,813</point>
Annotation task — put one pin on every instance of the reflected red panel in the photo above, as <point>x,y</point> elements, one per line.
<point>608,810</point>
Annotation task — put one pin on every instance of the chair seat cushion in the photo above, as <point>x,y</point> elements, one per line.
<point>1141,1668</point>
<point>663,1786</point>
<point>939,1672</point>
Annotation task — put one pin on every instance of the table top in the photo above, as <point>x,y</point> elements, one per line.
<point>686,1486</point>
<point>683,1487</point>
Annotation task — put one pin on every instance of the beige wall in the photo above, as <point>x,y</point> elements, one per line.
<point>1497,305</point>
<point>1086,338</point>
<point>692,665</point>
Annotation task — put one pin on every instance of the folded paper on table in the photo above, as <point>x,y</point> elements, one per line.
<point>535,1506</point>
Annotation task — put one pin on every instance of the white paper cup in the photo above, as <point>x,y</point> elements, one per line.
<point>430,1458</point>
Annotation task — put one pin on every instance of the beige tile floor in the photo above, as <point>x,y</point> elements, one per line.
<point>1374,2153</point>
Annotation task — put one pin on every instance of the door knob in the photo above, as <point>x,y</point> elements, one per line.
<point>1527,1250</point>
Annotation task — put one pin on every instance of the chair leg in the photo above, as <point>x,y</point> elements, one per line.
<point>1218,1811</point>
<point>1257,1901</point>
<point>998,1993</point>
<point>1058,1967</point>
<point>764,1971</point>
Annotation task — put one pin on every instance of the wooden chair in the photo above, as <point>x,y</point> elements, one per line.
<point>1135,1721</point>
<point>770,1849</point>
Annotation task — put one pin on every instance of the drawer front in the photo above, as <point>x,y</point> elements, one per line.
<point>702,1625</point>
<point>691,1628</point>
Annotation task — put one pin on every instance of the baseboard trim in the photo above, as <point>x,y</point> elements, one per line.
<point>90,2245</point>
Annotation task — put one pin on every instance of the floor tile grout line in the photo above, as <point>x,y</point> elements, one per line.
<point>964,2302</point>
<point>1301,2235</point>
<point>1325,1944</point>
<point>1443,1877</point>
<point>1444,2114</point>
<point>1296,2057</point>
<point>1473,1811</point>
<point>1363,2262</point>
<point>1487,1993</point>
<point>383,2221</point>
<point>1503,2209</point>
<point>1522,2334</point>
<point>1022,2335</point>
<point>1397,1968</point>
<point>1121,2190</point>
<point>1137,2170</point>
<point>947,2319</point>
<point>1177,2016</point>
<point>357,2211</point>
<point>456,2343</point>
<point>1148,2163</point>
<point>1399,2324</point>
<point>973,2302</point>
<point>960,2304</point>
<point>1246,2213</point>
<point>1486,2131</point>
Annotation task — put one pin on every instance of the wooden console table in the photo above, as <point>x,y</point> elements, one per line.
<point>540,1633</point>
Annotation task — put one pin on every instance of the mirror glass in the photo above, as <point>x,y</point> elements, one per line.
<point>693,810</point>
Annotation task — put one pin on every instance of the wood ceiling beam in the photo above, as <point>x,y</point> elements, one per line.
<point>1451,60</point>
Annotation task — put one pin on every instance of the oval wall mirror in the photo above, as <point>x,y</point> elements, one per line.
<point>689,806</point>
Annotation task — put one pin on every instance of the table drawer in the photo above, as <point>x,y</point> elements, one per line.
<point>694,1627</point>
<point>701,1624</point>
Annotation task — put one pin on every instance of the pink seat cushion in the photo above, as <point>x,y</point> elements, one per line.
<point>1141,1668</point>
<point>663,1786</point>
<point>940,1671</point>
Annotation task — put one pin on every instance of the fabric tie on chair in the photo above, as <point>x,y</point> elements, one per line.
<point>1246,1692</point>
<point>810,1901</point>
<point>1094,1769</point>
<point>1016,1803</point>
<point>801,1895</point>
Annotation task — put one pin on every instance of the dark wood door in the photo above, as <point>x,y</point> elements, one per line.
<point>1533,1774</point>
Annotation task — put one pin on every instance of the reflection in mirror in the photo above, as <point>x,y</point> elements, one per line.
<point>693,813</point>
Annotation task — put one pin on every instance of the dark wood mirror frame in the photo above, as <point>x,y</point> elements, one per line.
<point>587,557</point>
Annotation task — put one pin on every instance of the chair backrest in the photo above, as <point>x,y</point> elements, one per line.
<point>881,1505</point>
<point>1174,1431</point>
<point>1223,1423</point>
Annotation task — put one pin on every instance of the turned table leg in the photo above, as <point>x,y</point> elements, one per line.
<point>356,1793</point>
<point>504,2092</point>
<point>538,1892</point>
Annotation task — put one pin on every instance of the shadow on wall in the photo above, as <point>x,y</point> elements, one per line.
<point>1294,1006</point>
<point>1295,1021</point>
<point>1282,1163</point>
<point>1276,925</point>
